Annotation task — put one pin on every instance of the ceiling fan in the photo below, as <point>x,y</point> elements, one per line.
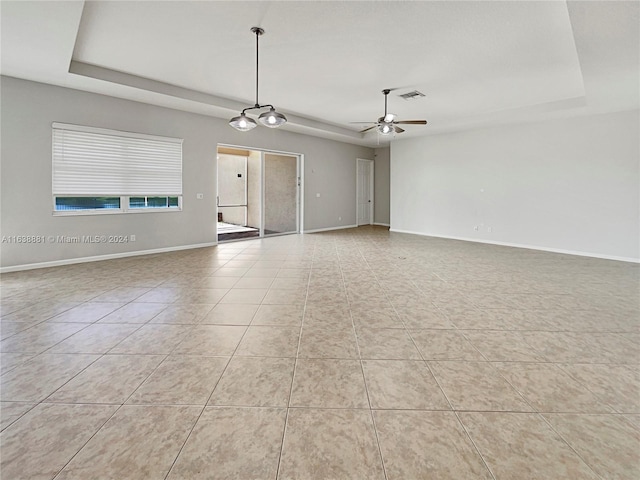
<point>388,124</point>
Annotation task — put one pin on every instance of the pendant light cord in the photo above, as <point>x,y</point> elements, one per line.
<point>258,31</point>
<point>271,118</point>
<point>257,66</point>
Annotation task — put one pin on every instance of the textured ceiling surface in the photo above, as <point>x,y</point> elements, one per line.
<point>324,64</point>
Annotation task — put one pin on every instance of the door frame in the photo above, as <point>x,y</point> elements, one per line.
<point>371,190</point>
<point>299,190</point>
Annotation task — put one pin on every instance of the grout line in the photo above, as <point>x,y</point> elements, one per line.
<point>208,398</point>
<point>205,403</point>
<point>85,443</point>
<point>464,427</point>
<point>567,443</point>
<point>34,405</point>
<point>366,387</point>
<point>293,375</point>
<point>114,413</point>
<point>426,363</point>
<point>586,387</point>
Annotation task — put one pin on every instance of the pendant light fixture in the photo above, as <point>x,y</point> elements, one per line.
<point>272,118</point>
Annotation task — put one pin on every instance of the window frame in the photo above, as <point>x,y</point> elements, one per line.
<point>124,206</point>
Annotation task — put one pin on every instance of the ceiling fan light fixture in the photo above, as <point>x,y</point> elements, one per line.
<point>272,119</point>
<point>385,128</point>
<point>243,123</point>
<point>388,123</point>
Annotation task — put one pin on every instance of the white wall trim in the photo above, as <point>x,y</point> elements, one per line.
<point>529,247</point>
<point>98,258</point>
<point>381,224</point>
<point>301,193</point>
<point>328,229</point>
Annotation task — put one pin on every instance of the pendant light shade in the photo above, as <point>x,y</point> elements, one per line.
<point>243,123</point>
<point>271,119</point>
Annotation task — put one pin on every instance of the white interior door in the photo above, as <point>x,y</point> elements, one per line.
<point>364,191</point>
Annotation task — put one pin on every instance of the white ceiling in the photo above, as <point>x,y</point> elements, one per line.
<point>324,64</point>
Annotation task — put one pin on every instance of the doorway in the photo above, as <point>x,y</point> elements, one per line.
<point>364,191</point>
<point>238,211</point>
<point>258,193</point>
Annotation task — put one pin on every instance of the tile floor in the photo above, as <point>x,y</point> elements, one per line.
<point>355,354</point>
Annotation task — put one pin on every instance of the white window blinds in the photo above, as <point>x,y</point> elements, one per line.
<point>95,161</point>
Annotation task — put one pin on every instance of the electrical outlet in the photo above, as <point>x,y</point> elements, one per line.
<point>476,228</point>
<point>199,196</point>
<point>339,218</point>
<point>489,229</point>
<point>132,238</point>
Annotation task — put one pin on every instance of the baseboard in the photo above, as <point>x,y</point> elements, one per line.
<point>98,258</point>
<point>529,247</point>
<point>328,229</point>
<point>381,224</point>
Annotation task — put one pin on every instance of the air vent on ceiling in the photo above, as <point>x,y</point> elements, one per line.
<point>414,95</point>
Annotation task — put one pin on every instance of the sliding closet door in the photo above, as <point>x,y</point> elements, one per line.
<point>280,193</point>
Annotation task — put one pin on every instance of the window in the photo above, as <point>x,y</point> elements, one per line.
<point>153,202</point>
<point>86,203</point>
<point>106,171</point>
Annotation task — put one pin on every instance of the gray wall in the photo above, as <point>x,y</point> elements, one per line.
<point>569,185</point>
<point>381,185</point>
<point>29,108</point>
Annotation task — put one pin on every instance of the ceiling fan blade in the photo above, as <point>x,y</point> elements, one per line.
<point>367,129</point>
<point>368,123</point>
<point>413,122</point>
<point>398,129</point>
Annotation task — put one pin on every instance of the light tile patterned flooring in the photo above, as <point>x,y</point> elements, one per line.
<point>356,354</point>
